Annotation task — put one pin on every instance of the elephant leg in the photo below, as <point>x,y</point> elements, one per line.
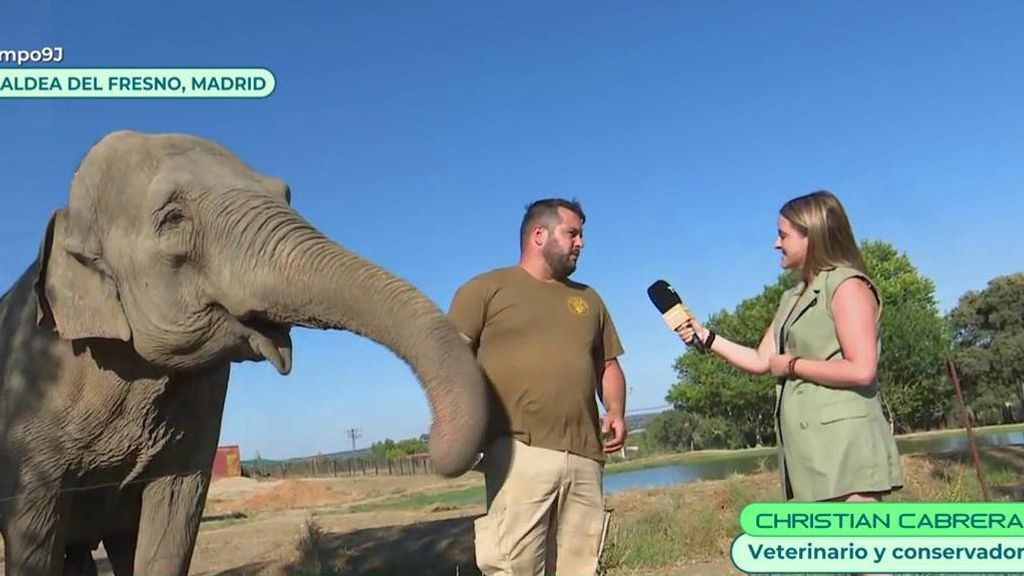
<point>121,552</point>
<point>78,561</point>
<point>33,536</point>
<point>172,507</point>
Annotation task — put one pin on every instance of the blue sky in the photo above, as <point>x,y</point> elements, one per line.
<point>414,134</point>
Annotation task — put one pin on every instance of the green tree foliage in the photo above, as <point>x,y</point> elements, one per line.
<point>910,372</point>
<point>671,430</point>
<point>676,431</point>
<point>988,332</point>
<point>389,449</point>
<point>712,389</point>
<point>717,432</point>
<point>915,341</point>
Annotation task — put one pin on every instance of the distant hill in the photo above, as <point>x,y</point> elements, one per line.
<point>637,421</point>
<point>361,453</point>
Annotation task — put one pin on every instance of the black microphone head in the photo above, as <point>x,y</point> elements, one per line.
<point>663,296</point>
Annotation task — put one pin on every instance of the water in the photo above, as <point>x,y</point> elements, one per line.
<point>957,442</point>
<point>714,469</point>
<point>684,473</point>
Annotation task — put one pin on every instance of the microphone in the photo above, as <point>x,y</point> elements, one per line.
<point>673,311</point>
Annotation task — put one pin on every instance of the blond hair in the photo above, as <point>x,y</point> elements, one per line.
<point>821,217</point>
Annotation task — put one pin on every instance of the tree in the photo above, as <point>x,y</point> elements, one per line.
<point>712,389</point>
<point>389,449</point>
<point>716,432</point>
<point>670,430</point>
<point>260,468</point>
<point>988,337</point>
<point>382,450</point>
<point>914,340</point>
<point>910,372</point>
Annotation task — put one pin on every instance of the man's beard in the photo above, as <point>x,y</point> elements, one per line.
<point>562,266</point>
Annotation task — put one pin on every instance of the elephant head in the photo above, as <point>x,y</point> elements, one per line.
<point>173,246</point>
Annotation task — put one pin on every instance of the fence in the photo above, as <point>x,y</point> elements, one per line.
<point>340,467</point>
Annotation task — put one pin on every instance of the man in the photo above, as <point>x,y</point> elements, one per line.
<point>546,345</point>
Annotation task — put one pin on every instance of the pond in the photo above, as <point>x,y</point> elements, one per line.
<point>718,468</point>
<point>711,469</point>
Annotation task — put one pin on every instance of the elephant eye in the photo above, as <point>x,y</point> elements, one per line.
<point>170,217</point>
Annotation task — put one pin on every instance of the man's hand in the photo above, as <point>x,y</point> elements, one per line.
<point>615,425</point>
<point>613,386</point>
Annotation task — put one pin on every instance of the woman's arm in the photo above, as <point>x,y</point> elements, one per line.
<point>747,359</point>
<point>855,311</point>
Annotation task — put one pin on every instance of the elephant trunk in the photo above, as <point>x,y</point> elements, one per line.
<point>302,278</point>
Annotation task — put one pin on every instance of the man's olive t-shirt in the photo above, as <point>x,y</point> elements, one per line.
<point>542,346</point>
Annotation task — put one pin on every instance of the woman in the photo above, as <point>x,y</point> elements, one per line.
<point>833,440</point>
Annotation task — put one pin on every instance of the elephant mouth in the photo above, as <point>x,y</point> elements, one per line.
<point>268,340</point>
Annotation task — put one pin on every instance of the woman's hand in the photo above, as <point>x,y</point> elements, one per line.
<point>779,364</point>
<point>691,329</point>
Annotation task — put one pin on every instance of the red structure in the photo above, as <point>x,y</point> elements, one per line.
<point>227,462</point>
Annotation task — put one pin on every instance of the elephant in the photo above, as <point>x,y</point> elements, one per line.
<point>173,260</point>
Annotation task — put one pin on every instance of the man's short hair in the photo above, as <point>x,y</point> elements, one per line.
<point>545,213</point>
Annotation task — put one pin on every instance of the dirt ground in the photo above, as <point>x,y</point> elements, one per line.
<point>391,543</point>
<point>250,528</point>
<point>253,497</point>
<point>276,511</point>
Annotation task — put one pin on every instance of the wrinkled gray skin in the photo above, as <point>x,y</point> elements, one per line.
<point>172,260</point>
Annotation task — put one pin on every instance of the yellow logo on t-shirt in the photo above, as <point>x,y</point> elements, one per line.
<point>578,305</point>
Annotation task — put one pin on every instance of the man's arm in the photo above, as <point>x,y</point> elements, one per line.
<point>613,396</point>
<point>467,312</point>
<point>613,387</point>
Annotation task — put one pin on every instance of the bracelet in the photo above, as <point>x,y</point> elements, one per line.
<point>709,340</point>
<point>792,366</point>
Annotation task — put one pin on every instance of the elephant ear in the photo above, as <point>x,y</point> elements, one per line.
<point>73,289</point>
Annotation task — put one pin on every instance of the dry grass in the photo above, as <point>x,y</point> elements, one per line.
<point>685,529</point>
<point>310,557</point>
<point>693,525</point>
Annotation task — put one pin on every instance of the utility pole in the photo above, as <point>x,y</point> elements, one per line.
<point>353,433</point>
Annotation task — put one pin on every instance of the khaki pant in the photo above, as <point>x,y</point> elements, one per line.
<point>545,512</point>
